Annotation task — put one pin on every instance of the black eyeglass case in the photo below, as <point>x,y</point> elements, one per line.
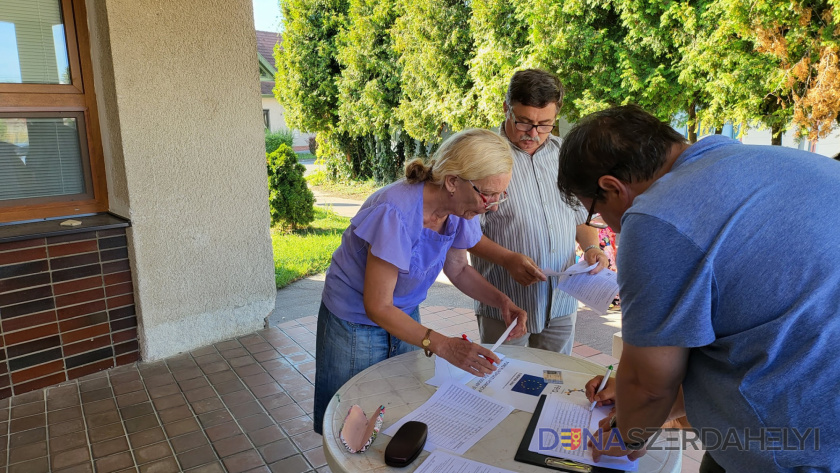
<point>406,444</point>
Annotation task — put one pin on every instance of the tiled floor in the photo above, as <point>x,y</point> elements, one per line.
<point>239,405</point>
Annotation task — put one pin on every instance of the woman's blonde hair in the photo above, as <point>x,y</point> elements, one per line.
<point>470,154</point>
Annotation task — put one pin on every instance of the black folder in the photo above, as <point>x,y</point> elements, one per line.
<point>526,456</point>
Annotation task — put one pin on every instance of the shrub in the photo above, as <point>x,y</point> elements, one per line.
<point>273,140</point>
<point>313,146</point>
<point>290,199</point>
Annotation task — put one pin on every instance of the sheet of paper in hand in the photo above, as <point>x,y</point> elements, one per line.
<point>594,290</point>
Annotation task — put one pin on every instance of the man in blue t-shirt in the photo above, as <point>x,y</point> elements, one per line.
<point>730,282</point>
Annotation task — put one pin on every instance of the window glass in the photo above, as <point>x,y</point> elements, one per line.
<point>33,48</point>
<point>40,157</point>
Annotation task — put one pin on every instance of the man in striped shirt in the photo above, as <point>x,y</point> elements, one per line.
<point>534,222</point>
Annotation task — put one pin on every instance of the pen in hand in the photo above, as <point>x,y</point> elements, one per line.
<point>601,387</point>
<point>464,336</point>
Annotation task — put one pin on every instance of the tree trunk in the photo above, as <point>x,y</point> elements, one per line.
<point>692,123</point>
<point>777,135</point>
<point>719,130</point>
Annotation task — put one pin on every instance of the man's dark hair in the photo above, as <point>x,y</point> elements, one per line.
<point>837,157</point>
<point>534,88</point>
<point>625,142</point>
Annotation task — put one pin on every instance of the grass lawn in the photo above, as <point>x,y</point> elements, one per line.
<point>358,190</point>
<point>305,252</point>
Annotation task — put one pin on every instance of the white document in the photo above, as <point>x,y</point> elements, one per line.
<point>446,371</point>
<point>515,382</point>
<point>520,383</point>
<point>594,290</point>
<point>566,409</point>
<point>457,417</point>
<point>444,462</point>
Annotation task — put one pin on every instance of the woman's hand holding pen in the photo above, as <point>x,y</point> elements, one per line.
<point>470,357</point>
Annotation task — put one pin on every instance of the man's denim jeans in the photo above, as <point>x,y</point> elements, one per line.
<point>344,349</point>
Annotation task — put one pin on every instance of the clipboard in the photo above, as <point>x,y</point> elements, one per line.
<point>526,456</point>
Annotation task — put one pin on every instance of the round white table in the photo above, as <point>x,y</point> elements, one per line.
<point>399,384</point>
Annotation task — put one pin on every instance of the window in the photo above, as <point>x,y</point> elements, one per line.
<point>51,161</point>
<point>266,120</point>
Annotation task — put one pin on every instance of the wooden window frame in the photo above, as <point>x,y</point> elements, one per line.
<point>76,99</point>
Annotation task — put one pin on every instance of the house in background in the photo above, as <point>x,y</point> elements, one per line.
<point>272,110</point>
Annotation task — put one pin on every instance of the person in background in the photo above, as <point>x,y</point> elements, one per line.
<point>749,332</point>
<point>393,250</point>
<point>535,223</point>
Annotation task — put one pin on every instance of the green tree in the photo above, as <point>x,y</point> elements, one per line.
<point>434,45</point>
<point>290,200</point>
<point>657,35</point>
<point>589,46</point>
<point>369,86</point>
<point>803,39</point>
<point>500,33</point>
<point>307,67</point>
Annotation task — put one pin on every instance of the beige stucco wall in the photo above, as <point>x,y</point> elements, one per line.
<point>182,125</point>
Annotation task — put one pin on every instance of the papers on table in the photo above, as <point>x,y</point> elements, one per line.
<point>445,371</point>
<point>563,411</point>
<point>594,290</point>
<point>520,383</point>
<point>443,462</point>
<point>457,418</point>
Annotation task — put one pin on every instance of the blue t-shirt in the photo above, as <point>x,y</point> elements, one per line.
<point>390,222</point>
<point>735,254</point>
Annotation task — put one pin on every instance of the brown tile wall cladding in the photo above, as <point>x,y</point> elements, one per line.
<point>66,309</point>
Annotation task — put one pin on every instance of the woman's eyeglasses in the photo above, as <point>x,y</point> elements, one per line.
<point>488,200</point>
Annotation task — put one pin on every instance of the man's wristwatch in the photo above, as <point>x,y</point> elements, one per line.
<point>426,342</point>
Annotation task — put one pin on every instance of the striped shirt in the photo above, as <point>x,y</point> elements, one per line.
<point>536,222</point>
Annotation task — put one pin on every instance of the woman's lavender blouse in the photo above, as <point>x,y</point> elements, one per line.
<point>391,223</point>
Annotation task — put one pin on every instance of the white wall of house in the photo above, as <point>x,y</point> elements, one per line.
<point>187,169</point>
<point>277,121</point>
<point>828,146</point>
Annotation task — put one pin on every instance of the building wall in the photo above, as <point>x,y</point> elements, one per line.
<point>828,146</point>
<point>182,126</point>
<point>278,122</point>
<point>67,308</point>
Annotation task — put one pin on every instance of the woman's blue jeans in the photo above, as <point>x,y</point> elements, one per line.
<point>344,349</point>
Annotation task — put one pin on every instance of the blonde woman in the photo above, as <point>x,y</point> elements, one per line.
<point>393,250</point>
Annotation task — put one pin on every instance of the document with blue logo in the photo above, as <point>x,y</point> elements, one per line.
<point>566,426</point>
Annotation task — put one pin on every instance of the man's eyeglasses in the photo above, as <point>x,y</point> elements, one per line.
<point>522,126</point>
<point>592,213</point>
<point>486,199</point>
